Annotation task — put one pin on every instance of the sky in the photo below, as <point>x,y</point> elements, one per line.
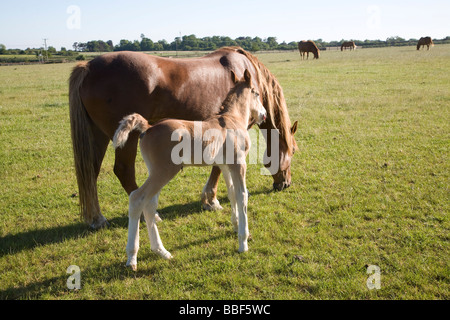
<point>27,23</point>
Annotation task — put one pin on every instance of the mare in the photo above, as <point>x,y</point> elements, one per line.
<point>224,133</point>
<point>348,44</point>
<point>425,41</point>
<point>305,47</point>
<point>111,86</point>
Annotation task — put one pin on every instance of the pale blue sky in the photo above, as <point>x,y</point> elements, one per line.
<point>26,23</point>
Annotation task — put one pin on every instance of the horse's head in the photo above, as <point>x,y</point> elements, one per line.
<point>277,131</point>
<point>279,164</point>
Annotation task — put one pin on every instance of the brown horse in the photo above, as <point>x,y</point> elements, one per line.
<point>111,86</point>
<point>225,133</point>
<point>305,47</point>
<point>425,41</point>
<point>348,44</point>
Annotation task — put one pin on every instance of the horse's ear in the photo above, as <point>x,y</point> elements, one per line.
<point>233,77</point>
<point>247,76</point>
<point>294,128</point>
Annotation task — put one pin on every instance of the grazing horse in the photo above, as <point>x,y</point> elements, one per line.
<point>113,85</point>
<point>305,47</point>
<point>425,41</point>
<point>348,44</point>
<point>222,134</point>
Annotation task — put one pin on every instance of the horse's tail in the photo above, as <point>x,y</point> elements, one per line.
<point>82,142</point>
<point>129,123</point>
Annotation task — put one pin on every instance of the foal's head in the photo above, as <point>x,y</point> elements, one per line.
<point>246,99</point>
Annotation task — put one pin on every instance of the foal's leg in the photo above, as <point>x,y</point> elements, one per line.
<point>151,218</point>
<point>145,199</point>
<point>232,197</point>
<point>135,207</point>
<point>209,193</point>
<point>237,172</point>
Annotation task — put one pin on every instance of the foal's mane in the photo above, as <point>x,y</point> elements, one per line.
<point>273,98</point>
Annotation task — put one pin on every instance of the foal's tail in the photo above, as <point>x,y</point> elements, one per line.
<point>129,123</point>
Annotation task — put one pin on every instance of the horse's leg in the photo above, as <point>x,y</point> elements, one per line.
<point>209,193</point>
<point>151,219</point>
<point>238,176</point>
<point>232,197</point>
<point>124,165</point>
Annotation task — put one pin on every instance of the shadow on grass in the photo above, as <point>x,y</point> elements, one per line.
<point>11,244</point>
<point>28,240</point>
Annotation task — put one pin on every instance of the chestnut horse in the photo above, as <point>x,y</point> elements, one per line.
<point>225,133</point>
<point>305,47</point>
<point>348,44</point>
<point>111,86</point>
<point>425,41</point>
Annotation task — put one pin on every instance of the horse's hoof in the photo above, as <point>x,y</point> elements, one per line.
<point>100,223</point>
<point>215,206</point>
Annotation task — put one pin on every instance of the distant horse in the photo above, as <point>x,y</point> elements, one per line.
<point>113,85</point>
<point>227,135</point>
<point>348,44</point>
<point>305,47</point>
<point>425,41</point>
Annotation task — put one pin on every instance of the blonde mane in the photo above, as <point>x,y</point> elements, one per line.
<point>273,99</point>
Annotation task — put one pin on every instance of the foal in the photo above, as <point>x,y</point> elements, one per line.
<point>221,140</point>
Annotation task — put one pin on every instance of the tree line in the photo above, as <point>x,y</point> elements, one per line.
<point>192,43</point>
<point>184,43</point>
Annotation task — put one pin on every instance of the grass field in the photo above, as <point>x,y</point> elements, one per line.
<point>370,187</point>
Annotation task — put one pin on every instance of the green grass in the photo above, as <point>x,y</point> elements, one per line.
<point>370,187</point>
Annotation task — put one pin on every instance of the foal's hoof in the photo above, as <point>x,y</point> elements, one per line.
<point>132,267</point>
<point>243,249</point>
<point>163,253</point>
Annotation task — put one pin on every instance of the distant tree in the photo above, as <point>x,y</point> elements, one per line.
<point>146,44</point>
<point>2,49</point>
<point>136,46</point>
<point>272,43</point>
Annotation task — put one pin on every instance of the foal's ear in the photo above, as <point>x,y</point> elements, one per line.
<point>247,76</point>
<point>294,128</point>
<point>233,77</point>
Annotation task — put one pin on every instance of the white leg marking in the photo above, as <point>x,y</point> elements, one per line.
<point>134,212</point>
<point>150,215</point>
<point>238,176</point>
<point>231,197</point>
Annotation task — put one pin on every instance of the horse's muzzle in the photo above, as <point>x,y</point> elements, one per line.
<point>280,186</point>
